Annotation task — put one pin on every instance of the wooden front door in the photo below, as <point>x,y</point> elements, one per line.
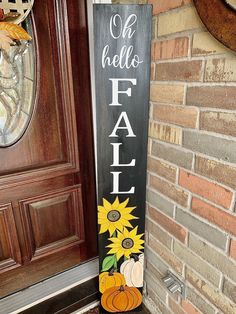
<point>47,190</point>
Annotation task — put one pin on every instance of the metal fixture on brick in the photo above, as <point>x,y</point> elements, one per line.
<point>174,285</point>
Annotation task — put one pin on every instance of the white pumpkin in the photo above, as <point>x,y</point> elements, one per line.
<point>132,269</point>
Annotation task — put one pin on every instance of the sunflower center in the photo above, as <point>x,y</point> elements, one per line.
<point>127,243</point>
<point>113,215</point>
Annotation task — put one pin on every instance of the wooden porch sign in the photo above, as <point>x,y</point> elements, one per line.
<point>122,62</point>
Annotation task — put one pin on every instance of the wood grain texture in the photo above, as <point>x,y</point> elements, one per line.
<point>10,256</point>
<point>48,178</point>
<point>120,48</point>
<point>136,107</point>
<point>220,20</point>
<point>62,209</point>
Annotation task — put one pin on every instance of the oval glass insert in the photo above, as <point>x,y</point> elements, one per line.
<point>17,82</point>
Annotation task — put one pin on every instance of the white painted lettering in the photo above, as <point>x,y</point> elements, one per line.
<point>116,91</point>
<point>116,178</point>
<point>116,157</point>
<point>123,116</point>
<point>125,59</point>
<point>116,26</point>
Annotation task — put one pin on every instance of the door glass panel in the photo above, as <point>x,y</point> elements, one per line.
<point>17,80</point>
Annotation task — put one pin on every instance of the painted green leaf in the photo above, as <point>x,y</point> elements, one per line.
<point>108,262</point>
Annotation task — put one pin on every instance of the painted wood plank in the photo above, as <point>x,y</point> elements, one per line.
<point>122,74</point>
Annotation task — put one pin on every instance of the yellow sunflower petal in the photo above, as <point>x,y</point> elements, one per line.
<point>139,241</point>
<point>104,228</point>
<point>102,221</point>
<point>114,240</point>
<point>120,235</point>
<point>126,223</point>
<point>112,229</point>
<point>113,246</point>
<point>101,209</point>
<point>128,210</point>
<point>134,232</point>
<point>140,235</point>
<point>119,254</point>
<point>129,217</point>
<point>126,233</point>
<point>116,203</point>
<point>120,225</point>
<point>112,251</point>
<point>137,247</point>
<point>123,204</point>
<point>106,204</point>
<point>127,253</point>
<point>102,215</point>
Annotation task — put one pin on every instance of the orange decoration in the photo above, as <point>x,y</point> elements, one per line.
<point>121,299</point>
<point>110,279</point>
<point>15,31</point>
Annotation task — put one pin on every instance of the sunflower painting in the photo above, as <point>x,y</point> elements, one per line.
<point>114,216</point>
<point>124,246</point>
<point>126,243</point>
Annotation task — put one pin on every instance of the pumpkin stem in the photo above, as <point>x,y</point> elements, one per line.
<point>111,272</point>
<point>122,288</point>
<point>135,257</point>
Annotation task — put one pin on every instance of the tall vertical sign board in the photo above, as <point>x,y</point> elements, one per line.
<point>122,71</point>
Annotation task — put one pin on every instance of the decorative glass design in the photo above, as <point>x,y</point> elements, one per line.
<point>232,3</point>
<point>23,7</point>
<point>17,80</point>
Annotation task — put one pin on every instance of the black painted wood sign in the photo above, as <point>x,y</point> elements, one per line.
<point>122,72</point>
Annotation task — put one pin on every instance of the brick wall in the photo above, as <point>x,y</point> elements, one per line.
<point>191,219</point>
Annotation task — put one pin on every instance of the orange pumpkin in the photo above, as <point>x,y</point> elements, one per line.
<point>110,279</point>
<point>121,299</point>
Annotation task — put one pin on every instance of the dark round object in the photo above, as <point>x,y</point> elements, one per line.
<point>220,19</point>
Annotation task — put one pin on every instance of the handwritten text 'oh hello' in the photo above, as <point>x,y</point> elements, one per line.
<point>119,29</point>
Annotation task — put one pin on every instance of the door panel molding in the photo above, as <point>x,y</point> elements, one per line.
<point>10,256</point>
<point>54,204</point>
<point>52,222</point>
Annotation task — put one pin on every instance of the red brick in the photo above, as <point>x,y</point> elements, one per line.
<point>162,169</point>
<point>233,249</point>
<point>213,97</point>
<point>166,255</point>
<point>176,308</point>
<point>158,233</point>
<point>182,116</point>
<point>170,190</point>
<point>165,133</point>
<point>166,93</point>
<point>219,122</point>
<point>170,49</point>
<point>218,217</point>
<point>211,191</point>
<point>168,224</point>
<point>189,71</point>
<point>166,5</point>
<point>210,293</point>
<point>189,308</point>
<point>216,171</point>
<point>220,70</point>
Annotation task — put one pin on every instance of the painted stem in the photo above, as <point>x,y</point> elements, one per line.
<point>115,263</point>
